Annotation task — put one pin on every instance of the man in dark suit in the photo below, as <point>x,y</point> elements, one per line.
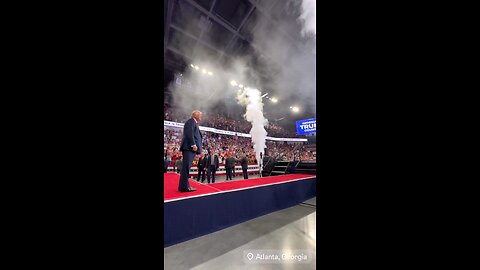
<point>230,166</point>
<point>244,163</point>
<point>202,167</point>
<point>191,146</point>
<point>212,165</point>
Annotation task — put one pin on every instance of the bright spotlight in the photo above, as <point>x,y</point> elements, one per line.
<point>295,109</point>
<point>192,65</point>
<point>196,67</point>
<point>240,85</point>
<point>233,83</point>
<point>204,71</point>
<point>274,100</point>
<point>210,73</point>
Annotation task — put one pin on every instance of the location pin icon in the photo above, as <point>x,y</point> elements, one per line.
<point>250,256</point>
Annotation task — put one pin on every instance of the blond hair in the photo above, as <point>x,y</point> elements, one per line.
<point>195,112</point>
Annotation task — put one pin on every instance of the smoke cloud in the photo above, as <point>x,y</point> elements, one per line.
<point>309,17</point>
<point>286,49</point>
<point>280,60</point>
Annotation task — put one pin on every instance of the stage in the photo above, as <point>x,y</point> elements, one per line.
<point>217,206</point>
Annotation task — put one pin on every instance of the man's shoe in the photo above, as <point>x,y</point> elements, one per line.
<point>190,189</point>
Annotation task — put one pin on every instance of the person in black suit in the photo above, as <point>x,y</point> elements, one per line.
<point>244,163</point>
<point>202,167</point>
<point>230,166</point>
<point>212,165</point>
<point>191,146</point>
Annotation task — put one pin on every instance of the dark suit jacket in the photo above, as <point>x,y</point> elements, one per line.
<point>215,160</point>
<point>191,136</point>
<point>202,163</point>
<point>230,162</point>
<point>244,163</point>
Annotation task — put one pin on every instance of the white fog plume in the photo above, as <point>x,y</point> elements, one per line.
<point>279,57</point>
<point>254,114</point>
<point>308,17</point>
<point>289,47</point>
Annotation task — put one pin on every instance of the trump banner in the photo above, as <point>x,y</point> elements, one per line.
<point>307,126</point>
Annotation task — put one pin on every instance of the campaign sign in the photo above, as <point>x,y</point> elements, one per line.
<point>306,126</point>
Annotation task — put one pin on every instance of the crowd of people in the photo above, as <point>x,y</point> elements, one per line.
<point>290,151</point>
<point>221,122</point>
<point>235,146</point>
<point>170,114</point>
<point>223,145</point>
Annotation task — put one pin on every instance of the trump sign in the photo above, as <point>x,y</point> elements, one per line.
<point>307,126</point>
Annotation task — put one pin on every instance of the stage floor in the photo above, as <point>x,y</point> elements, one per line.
<point>171,180</point>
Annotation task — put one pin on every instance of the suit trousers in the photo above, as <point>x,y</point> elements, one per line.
<point>229,173</point>
<point>188,157</point>
<point>201,172</point>
<point>245,174</point>
<point>211,173</point>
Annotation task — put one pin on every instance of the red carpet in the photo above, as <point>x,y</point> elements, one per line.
<point>170,187</point>
<point>171,180</point>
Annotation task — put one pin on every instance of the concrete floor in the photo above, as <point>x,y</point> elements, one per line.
<point>291,230</point>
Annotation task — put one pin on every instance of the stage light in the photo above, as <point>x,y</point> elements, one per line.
<point>196,67</point>
<point>274,100</point>
<point>233,83</point>
<point>210,73</point>
<point>240,85</point>
<point>204,71</point>
<point>295,109</point>
<point>192,65</point>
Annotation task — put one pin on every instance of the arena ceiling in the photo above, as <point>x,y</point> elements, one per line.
<point>220,27</point>
<point>223,29</point>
